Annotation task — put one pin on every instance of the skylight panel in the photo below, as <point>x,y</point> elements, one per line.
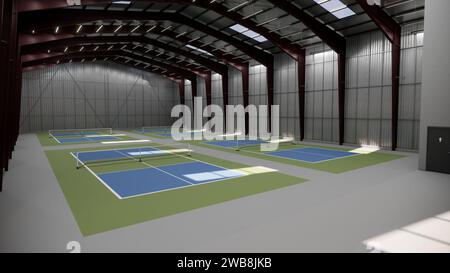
<point>333,5</point>
<point>121,2</point>
<point>249,33</point>
<point>343,13</point>
<point>336,7</point>
<point>239,28</point>
<point>260,39</point>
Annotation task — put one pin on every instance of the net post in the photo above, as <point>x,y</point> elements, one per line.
<point>140,154</point>
<point>189,150</point>
<point>77,161</point>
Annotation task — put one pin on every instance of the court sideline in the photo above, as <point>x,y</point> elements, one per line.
<point>387,197</point>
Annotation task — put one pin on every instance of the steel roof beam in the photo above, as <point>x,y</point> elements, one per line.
<point>64,60</point>
<point>330,37</point>
<point>53,59</point>
<point>41,47</point>
<point>37,53</point>
<point>285,45</point>
<point>28,39</point>
<point>51,18</point>
<point>43,55</point>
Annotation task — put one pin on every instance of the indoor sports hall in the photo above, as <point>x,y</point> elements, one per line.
<point>225,126</point>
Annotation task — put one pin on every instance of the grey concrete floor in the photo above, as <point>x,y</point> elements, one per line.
<point>329,213</point>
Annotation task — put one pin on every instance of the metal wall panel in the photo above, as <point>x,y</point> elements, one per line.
<point>94,95</point>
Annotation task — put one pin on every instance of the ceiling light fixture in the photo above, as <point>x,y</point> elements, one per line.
<point>134,29</point>
<point>249,33</point>
<point>150,29</point>
<point>198,49</point>
<point>100,28</point>
<point>118,28</point>
<point>238,6</point>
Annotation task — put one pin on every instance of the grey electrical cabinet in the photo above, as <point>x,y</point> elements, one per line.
<point>438,149</point>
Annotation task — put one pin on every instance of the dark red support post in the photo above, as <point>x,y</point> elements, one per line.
<point>341,94</point>
<point>396,51</point>
<point>225,99</point>
<point>181,86</point>
<point>194,87</point>
<point>5,88</point>
<point>3,45</point>
<point>194,92</point>
<point>245,93</point>
<point>208,87</point>
<point>301,69</point>
<point>13,85</point>
<point>270,95</point>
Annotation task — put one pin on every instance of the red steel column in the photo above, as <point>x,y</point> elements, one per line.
<point>225,99</point>
<point>301,70</point>
<point>270,99</point>
<point>181,87</point>
<point>3,45</point>
<point>245,92</point>
<point>341,94</point>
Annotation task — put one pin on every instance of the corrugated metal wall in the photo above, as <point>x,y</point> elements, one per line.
<point>321,113</point>
<point>368,113</point>
<point>286,95</point>
<point>368,101</point>
<point>95,95</point>
<point>410,86</point>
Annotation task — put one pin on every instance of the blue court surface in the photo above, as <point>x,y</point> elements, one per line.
<point>234,143</point>
<point>132,183</point>
<point>311,155</point>
<point>85,139</point>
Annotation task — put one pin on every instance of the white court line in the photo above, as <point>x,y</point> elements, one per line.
<point>98,178</point>
<point>121,149</point>
<point>126,141</point>
<point>54,138</point>
<point>115,135</point>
